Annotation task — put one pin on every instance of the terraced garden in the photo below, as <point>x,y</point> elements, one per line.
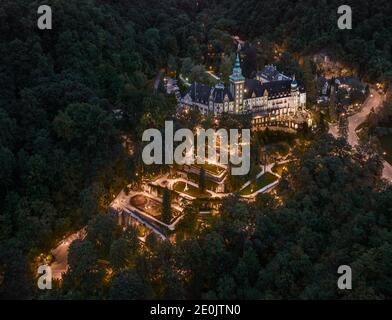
<point>258,184</point>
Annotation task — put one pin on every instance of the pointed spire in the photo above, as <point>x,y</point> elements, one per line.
<point>236,75</point>
<point>237,71</point>
<point>237,61</point>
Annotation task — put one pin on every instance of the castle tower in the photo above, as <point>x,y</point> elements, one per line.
<point>237,82</point>
<point>294,85</point>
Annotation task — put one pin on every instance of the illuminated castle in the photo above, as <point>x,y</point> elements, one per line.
<point>273,99</point>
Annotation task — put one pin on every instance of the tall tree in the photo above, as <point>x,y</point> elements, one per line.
<point>130,286</point>
<point>332,107</point>
<point>310,81</point>
<point>84,276</point>
<point>166,206</point>
<point>202,179</point>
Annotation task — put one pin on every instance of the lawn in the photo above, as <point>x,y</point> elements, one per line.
<point>210,185</point>
<point>386,144</point>
<point>192,190</point>
<point>215,170</point>
<point>260,183</point>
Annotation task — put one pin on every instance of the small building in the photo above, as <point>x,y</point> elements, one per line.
<point>350,83</point>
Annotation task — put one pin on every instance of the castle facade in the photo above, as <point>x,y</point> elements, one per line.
<point>274,99</point>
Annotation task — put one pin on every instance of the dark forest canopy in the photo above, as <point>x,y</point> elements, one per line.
<point>62,159</point>
<point>61,151</point>
<point>335,212</point>
<point>308,26</point>
<point>304,27</point>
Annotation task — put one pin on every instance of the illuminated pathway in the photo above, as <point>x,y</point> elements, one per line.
<point>373,101</point>
<point>60,253</point>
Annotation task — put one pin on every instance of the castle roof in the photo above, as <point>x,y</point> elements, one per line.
<point>220,92</point>
<point>201,93</point>
<point>270,73</point>
<point>274,88</point>
<point>253,87</point>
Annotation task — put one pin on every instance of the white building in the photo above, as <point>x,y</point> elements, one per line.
<point>272,98</point>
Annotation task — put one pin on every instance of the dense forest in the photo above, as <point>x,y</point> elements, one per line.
<point>62,157</point>
<point>307,26</point>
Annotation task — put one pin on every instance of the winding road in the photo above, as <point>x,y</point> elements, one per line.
<point>373,101</point>
<point>60,253</point>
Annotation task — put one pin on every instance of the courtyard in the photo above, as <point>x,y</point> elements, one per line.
<point>147,204</point>
<point>190,189</point>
